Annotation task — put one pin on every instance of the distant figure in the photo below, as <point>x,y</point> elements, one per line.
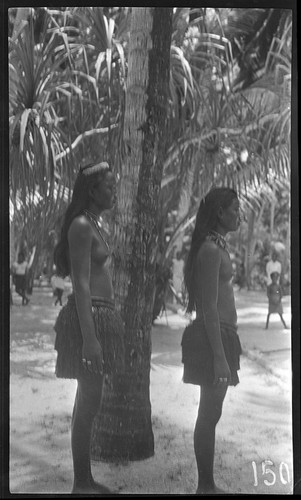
<point>274,294</point>
<point>44,275</point>
<point>58,286</point>
<point>177,273</point>
<point>273,265</point>
<point>19,270</point>
<point>240,278</point>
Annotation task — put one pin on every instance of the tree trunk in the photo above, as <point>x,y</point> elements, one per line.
<point>186,192</point>
<point>253,222</point>
<point>12,256</point>
<point>248,256</point>
<point>272,215</point>
<point>286,260</point>
<point>123,429</point>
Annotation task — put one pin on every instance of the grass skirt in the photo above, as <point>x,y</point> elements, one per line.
<point>197,355</point>
<point>68,342</point>
<point>275,307</point>
<point>20,281</point>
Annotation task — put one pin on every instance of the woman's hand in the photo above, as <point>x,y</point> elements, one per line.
<point>222,374</point>
<point>92,356</point>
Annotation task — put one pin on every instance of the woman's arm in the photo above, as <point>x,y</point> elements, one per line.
<point>209,261</point>
<point>80,237</point>
<point>31,257</point>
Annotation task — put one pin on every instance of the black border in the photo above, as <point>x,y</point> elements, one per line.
<point>4,213</point>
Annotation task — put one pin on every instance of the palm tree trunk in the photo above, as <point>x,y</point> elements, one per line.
<point>286,260</point>
<point>248,256</point>
<point>253,223</point>
<point>186,192</point>
<point>11,236</point>
<point>272,215</point>
<point>123,428</point>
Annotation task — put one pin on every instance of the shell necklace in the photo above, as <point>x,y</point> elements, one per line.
<point>97,224</point>
<point>218,239</point>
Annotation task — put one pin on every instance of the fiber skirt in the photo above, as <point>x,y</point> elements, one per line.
<point>275,308</point>
<point>68,342</point>
<point>20,281</point>
<point>197,355</point>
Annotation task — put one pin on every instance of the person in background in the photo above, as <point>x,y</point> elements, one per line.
<point>210,345</point>
<point>177,274</point>
<point>274,293</point>
<point>58,286</point>
<point>89,330</point>
<point>273,265</point>
<point>19,270</point>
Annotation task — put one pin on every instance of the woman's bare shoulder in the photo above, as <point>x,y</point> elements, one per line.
<point>80,228</point>
<point>208,250</point>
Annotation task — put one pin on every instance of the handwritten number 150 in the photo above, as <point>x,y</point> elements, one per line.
<point>283,471</point>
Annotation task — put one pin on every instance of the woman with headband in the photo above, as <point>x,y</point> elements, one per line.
<point>210,344</point>
<point>89,331</point>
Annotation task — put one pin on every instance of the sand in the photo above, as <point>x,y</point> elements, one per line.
<point>253,439</point>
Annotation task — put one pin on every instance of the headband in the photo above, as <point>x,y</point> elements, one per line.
<point>91,168</point>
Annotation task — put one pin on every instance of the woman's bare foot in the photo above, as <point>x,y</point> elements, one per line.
<point>91,488</point>
<point>100,488</point>
<point>213,491</point>
<point>83,490</point>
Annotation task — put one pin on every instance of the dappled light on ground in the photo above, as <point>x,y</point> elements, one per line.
<point>253,435</point>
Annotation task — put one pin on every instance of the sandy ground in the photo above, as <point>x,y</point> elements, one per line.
<point>254,437</point>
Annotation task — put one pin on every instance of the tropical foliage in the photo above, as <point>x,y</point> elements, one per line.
<point>75,89</point>
<point>229,104</point>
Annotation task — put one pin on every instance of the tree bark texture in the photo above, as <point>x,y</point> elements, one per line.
<point>186,192</point>
<point>123,428</point>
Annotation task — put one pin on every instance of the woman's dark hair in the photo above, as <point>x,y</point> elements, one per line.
<point>206,220</point>
<point>89,176</point>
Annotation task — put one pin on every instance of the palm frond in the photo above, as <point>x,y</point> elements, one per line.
<point>32,129</point>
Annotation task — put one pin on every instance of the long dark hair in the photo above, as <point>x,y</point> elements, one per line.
<point>206,220</point>
<point>89,175</point>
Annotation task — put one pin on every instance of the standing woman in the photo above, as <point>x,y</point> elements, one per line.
<point>20,271</point>
<point>89,331</point>
<point>210,344</point>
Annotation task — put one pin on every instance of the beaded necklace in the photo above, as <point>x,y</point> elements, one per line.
<point>218,239</point>
<point>97,224</point>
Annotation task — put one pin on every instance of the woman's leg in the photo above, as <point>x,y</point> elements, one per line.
<point>22,290</point>
<point>25,299</point>
<point>267,321</point>
<point>87,403</point>
<point>18,287</point>
<point>210,410</point>
<point>282,319</point>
